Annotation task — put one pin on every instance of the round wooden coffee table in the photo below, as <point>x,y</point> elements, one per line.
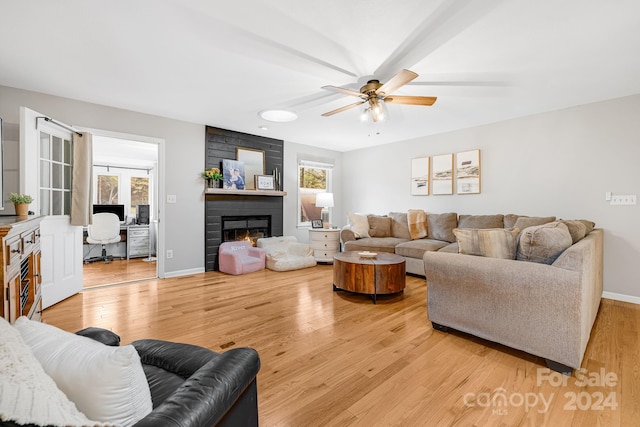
<point>382,274</point>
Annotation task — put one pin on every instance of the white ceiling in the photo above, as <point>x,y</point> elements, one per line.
<point>221,62</point>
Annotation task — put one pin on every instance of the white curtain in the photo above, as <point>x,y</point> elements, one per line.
<point>81,180</point>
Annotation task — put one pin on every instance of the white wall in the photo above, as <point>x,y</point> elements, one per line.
<point>559,163</point>
<point>184,145</point>
<point>293,152</point>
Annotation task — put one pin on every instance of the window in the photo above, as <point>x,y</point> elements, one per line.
<point>56,158</point>
<point>107,189</point>
<point>313,178</point>
<point>122,185</point>
<point>139,192</point>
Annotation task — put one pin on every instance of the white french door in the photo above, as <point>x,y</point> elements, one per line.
<point>46,158</point>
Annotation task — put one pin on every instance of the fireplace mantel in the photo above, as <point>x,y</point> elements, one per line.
<point>223,192</point>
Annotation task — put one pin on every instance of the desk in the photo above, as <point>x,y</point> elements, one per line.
<point>134,242</point>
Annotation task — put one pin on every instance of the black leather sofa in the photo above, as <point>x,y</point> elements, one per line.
<point>193,386</point>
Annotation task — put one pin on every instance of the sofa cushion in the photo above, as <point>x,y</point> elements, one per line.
<point>417,220</point>
<point>440,226</point>
<point>523,221</point>
<point>488,242</point>
<point>451,248</point>
<point>399,225</point>
<point>417,248</point>
<point>577,229</point>
<point>379,226</point>
<point>374,244</point>
<point>359,224</point>
<point>106,383</point>
<point>481,221</point>
<point>543,243</point>
<point>28,394</point>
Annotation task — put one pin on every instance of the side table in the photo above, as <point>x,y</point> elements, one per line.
<point>325,243</point>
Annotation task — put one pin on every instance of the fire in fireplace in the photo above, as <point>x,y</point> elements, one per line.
<point>249,228</point>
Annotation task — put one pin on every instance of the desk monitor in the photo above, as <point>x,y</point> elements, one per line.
<point>116,209</point>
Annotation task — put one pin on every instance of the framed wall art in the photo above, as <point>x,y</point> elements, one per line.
<point>264,182</point>
<point>442,176</point>
<point>233,175</point>
<point>468,172</point>
<point>420,176</point>
<point>254,164</point>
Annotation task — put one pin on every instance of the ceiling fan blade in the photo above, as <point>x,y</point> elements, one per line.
<point>397,81</point>
<point>341,109</point>
<point>411,100</point>
<point>344,91</point>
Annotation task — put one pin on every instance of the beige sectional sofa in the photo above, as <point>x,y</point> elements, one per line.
<point>531,283</point>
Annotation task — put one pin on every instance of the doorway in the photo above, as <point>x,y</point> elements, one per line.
<point>126,171</point>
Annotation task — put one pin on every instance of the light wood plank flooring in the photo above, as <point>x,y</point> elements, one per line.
<point>335,359</point>
<point>100,273</point>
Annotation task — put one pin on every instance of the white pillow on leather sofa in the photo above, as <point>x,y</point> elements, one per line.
<point>106,383</point>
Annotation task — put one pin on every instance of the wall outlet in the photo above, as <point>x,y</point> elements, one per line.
<point>169,253</point>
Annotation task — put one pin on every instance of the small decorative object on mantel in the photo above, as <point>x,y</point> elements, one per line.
<point>276,180</point>
<point>21,203</point>
<point>213,177</point>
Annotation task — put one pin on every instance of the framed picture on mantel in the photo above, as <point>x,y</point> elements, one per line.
<point>264,182</point>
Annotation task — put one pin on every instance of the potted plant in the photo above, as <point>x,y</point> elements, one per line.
<point>213,176</point>
<point>21,203</point>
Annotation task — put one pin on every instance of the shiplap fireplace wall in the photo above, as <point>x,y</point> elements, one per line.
<point>221,144</point>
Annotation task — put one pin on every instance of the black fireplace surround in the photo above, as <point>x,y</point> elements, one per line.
<point>221,144</point>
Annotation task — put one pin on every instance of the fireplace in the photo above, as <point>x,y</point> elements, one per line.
<point>245,227</point>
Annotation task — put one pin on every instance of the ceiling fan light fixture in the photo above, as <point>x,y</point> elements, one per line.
<point>378,110</point>
<point>278,115</point>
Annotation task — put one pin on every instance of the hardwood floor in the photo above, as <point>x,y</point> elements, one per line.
<point>117,271</point>
<point>336,359</point>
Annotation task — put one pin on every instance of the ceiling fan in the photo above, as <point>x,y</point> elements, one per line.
<point>377,94</point>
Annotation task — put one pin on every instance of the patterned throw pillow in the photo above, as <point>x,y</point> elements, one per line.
<point>488,242</point>
<point>417,220</point>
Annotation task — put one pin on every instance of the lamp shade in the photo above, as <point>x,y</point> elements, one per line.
<point>324,200</point>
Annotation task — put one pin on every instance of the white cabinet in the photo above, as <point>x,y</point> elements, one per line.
<point>325,243</point>
<point>137,241</point>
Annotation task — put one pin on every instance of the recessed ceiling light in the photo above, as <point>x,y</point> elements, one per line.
<point>278,115</point>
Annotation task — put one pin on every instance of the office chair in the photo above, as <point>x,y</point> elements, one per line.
<point>104,230</point>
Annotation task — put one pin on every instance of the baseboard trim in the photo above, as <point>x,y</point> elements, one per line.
<point>621,297</point>
<point>178,273</point>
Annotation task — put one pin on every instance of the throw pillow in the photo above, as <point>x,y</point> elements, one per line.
<point>417,222</point>
<point>577,229</point>
<point>488,242</point>
<point>481,221</point>
<point>440,226</point>
<point>543,243</point>
<point>589,224</point>
<point>529,221</point>
<point>399,225</point>
<point>379,226</point>
<point>359,224</point>
<point>106,383</point>
<point>28,394</point>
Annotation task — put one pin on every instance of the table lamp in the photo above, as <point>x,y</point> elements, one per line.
<point>324,201</point>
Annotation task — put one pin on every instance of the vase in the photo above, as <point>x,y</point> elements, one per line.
<point>213,183</point>
<point>22,209</point>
